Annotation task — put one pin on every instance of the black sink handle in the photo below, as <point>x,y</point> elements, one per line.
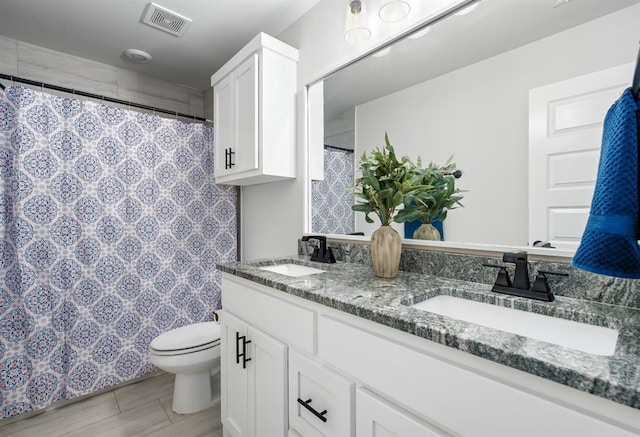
<point>503,278</point>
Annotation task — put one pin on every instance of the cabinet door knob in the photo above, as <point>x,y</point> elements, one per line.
<point>313,410</point>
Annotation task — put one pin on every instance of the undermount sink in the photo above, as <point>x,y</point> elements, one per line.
<point>592,339</point>
<point>294,270</point>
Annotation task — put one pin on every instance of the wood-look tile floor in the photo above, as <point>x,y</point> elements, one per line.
<point>141,409</point>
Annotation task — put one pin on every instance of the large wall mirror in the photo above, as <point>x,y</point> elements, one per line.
<point>462,87</point>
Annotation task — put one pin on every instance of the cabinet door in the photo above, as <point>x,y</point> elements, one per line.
<point>224,130</point>
<point>377,418</point>
<point>328,398</point>
<point>233,378</point>
<point>267,385</point>
<point>246,110</point>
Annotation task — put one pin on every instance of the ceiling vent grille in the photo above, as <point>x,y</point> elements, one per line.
<point>164,19</point>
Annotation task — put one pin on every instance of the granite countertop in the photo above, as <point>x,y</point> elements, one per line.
<point>354,289</point>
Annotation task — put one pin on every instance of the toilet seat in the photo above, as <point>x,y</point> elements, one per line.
<point>184,351</point>
<point>187,339</point>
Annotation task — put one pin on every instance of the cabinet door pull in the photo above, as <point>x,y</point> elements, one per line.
<point>242,355</point>
<point>313,411</point>
<point>238,354</point>
<point>245,342</point>
<point>228,158</point>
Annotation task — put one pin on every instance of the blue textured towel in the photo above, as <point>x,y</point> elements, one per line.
<point>609,244</point>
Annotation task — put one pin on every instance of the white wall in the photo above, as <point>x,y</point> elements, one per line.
<point>20,59</point>
<point>479,114</point>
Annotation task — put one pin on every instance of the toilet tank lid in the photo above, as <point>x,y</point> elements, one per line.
<point>188,336</point>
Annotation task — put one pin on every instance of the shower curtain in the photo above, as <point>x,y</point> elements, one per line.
<point>110,230</point>
<point>331,198</point>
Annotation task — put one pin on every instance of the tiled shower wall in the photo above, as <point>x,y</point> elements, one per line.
<point>18,58</point>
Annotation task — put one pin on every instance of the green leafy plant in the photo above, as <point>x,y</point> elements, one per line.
<point>440,194</point>
<point>386,184</point>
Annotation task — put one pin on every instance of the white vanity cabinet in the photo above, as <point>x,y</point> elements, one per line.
<point>374,380</point>
<point>254,114</point>
<point>254,386</point>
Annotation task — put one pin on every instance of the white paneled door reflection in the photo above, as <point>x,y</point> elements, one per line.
<point>565,134</point>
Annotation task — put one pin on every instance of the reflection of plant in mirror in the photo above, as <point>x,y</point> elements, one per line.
<point>386,184</point>
<point>440,194</point>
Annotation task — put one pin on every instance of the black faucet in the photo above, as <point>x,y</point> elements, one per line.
<point>521,285</point>
<point>521,275</point>
<point>321,252</point>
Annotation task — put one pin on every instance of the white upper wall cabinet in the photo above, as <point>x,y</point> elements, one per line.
<point>254,114</point>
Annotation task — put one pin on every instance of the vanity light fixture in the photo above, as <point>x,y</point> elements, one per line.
<point>356,29</point>
<point>138,56</point>
<point>393,11</point>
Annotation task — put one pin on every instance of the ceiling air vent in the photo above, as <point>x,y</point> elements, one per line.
<point>164,19</point>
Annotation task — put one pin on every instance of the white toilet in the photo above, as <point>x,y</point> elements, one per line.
<point>192,352</point>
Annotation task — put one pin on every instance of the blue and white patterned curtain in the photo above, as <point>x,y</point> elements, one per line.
<point>111,227</point>
<point>331,198</point>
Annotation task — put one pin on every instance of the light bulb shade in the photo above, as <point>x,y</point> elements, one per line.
<point>356,24</point>
<point>393,11</point>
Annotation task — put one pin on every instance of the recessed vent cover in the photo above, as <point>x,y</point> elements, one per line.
<point>164,19</point>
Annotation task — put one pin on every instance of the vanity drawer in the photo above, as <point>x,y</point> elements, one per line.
<point>286,321</point>
<point>447,393</point>
<point>376,417</point>
<point>329,394</point>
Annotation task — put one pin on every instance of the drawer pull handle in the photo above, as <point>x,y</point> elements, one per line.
<point>313,411</point>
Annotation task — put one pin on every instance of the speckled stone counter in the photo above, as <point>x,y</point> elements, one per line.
<point>354,289</point>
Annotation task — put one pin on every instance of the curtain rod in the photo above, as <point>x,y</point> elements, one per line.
<point>99,97</point>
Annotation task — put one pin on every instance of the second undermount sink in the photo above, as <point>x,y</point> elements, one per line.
<point>592,339</point>
<point>295,270</point>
